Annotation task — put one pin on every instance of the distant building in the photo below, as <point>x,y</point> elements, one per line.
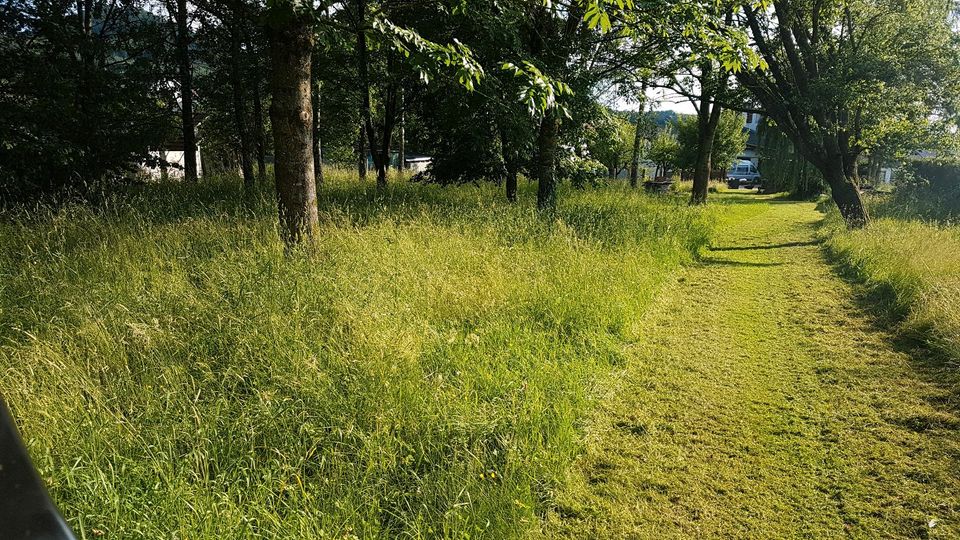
<point>751,125</point>
<point>414,163</point>
<point>170,161</point>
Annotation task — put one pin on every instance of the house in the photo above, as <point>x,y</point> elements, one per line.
<point>170,161</point>
<point>414,163</point>
<point>752,126</point>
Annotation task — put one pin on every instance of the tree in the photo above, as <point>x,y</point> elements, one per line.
<point>84,94</point>
<point>609,140</point>
<point>839,76</point>
<point>784,169</point>
<point>713,83</point>
<point>290,32</point>
<point>664,150</point>
<point>185,71</point>
<point>641,130</point>
<point>236,24</point>
<point>729,141</point>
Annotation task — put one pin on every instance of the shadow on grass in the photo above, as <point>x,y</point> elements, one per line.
<point>886,313</point>
<point>767,246</point>
<point>712,261</point>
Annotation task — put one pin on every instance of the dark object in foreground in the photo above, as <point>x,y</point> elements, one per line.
<point>26,511</point>
<point>658,186</point>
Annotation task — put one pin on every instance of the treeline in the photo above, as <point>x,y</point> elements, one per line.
<point>492,89</point>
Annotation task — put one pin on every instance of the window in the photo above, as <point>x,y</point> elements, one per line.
<point>749,117</point>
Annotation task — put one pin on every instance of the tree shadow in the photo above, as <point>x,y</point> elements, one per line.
<point>887,314</point>
<point>713,261</point>
<point>766,246</point>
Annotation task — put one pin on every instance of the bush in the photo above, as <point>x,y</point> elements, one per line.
<point>926,189</point>
<point>581,172</point>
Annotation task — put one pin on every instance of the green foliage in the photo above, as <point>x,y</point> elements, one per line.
<point>609,139</point>
<point>541,91</point>
<point>581,172</point>
<point>664,150</point>
<point>729,142</point>
<point>428,57</point>
<point>859,76</point>
<point>783,168</point>
<point>81,103</point>
<point>423,373</point>
<point>926,189</point>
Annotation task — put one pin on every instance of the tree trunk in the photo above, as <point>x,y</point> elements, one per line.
<point>701,174</point>
<point>708,121</point>
<point>511,182</point>
<point>362,154</point>
<point>511,163</point>
<point>259,136</point>
<point>637,140</point>
<point>365,107</point>
<point>402,143</point>
<point>258,133</point>
<point>380,149</point>
<point>545,166</point>
<point>291,45</point>
<point>186,95</point>
<point>635,156</point>
<point>317,148</point>
<point>847,197</point>
<point>239,100</point>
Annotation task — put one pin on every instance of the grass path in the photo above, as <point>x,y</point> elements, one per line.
<point>761,401</point>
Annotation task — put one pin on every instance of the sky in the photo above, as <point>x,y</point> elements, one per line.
<point>662,99</point>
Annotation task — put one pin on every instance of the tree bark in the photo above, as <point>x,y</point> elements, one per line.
<point>291,45</point>
<point>511,182</point>
<point>363,62</point>
<point>637,139</point>
<point>635,156</point>
<point>186,95</point>
<point>259,135</point>
<point>239,99</point>
<point>511,163</point>
<point>845,194</point>
<point>708,119</point>
<point>402,142</point>
<point>316,145</point>
<point>545,166</point>
<point>362,153</point>
<point>701,173</point>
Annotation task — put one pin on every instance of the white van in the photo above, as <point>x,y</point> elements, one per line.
<point>743,173</point>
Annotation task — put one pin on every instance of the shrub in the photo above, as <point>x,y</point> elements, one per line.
<point>581,172</point>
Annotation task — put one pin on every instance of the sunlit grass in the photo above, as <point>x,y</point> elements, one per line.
<point>422,371</point>
<point>918,264</point>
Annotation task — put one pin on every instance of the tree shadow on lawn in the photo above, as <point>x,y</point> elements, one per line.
<point>766,246</point>
<point>716,261</point>
<point>931,364</point>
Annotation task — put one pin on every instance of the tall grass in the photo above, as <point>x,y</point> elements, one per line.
<point>917,263</point>
<point>421,373</point>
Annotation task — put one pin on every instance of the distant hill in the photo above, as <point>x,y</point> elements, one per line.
<point>662,118</point>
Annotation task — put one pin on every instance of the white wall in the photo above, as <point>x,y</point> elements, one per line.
<point>175,157</point>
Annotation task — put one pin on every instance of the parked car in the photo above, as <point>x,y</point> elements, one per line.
<point>743,173</point>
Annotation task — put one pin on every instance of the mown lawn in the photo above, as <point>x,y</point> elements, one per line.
<point>423,372</point>
<point>764,400</point>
